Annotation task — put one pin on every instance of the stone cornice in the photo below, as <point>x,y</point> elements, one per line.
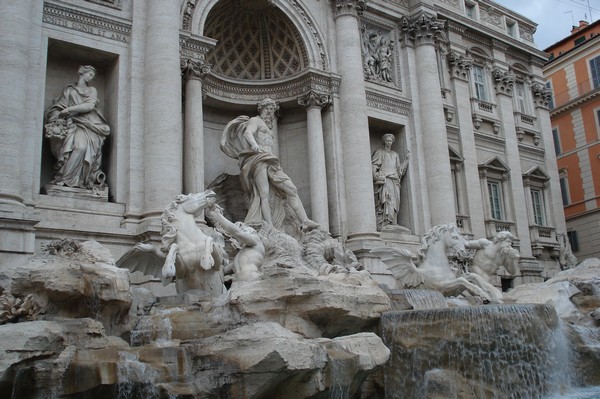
<point>80,21</point>
<point>575,102</point>
<point>423,29</point>
<point>195,48</point>
<point>388,103</point>
<point>283,90</point>
<point>349,7</point>
<point>314,99</point>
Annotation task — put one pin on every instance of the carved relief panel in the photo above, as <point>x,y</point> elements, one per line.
<point>378,55</point>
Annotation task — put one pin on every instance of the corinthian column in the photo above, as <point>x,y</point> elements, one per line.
<point>193,138</point>
<point>162,114</point>
<point>423,32</point>
<point>314,103</point>
<point>15,25</point>
<point>354,123</point>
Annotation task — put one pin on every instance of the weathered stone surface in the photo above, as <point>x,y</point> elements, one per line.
<point>333,305</point>
<point>75,282</point>
<point>575,293</point>
<point>34,356</point>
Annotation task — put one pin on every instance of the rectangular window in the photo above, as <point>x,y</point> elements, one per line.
<point>520,98</point>
<point>537,202</point>
<point>572,236</point>
<point>556,138</point>
<point>595,69</point>
<point>564,190</point>
<point>511,28</point>
<point>496,205</point>
<point>479,82</point>
<point>549,87</point>
<point>579,40</point>
<point>470,10</point>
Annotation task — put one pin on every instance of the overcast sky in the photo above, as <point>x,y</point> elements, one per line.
<point>555,18</point>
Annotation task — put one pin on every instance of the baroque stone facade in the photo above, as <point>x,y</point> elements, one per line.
<point>459,84</point>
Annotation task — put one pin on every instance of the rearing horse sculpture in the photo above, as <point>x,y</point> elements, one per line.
<point>187,253</point>
<point>431,269</point>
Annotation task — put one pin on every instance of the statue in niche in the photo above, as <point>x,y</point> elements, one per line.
<point>77,130</point>
<point>188,255</point>
<point>250,141</point>
<point>387,175</point>
<point>490,255</point>
<point>377,56</point>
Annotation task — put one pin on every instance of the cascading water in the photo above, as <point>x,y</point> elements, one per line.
<point>135,379</point>
<point>494,351</point>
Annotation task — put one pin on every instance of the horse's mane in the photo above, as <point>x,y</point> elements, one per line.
<point>168,220</point>
<point>433,236</point>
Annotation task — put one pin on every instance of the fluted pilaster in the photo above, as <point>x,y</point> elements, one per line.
<point>314,102</point>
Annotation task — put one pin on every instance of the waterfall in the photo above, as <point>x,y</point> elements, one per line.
<point>135,379</point>
<point>494,351</point>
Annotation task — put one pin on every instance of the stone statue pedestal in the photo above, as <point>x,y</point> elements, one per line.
<point>100,195</point>
<point>394,229</point>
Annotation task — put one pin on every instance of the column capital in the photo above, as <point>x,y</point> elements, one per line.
<point>191,69</point>
<point>542,95</point>
<point>460,65</point>
<point>422,29</point>
<point>349,7</point>
<point>314,99</point>
<point>504,81</point>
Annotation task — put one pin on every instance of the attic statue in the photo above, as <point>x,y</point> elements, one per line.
<point>250,141</point>
<point>77,130</point>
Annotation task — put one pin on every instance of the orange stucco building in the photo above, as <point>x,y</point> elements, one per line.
<point>573,74</point>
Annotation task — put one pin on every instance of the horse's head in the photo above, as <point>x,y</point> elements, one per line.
<point>196,203</point>
<point>447,235</point>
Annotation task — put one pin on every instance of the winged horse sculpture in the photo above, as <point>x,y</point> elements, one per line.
<point>187,254</point>
<point>430,267</point>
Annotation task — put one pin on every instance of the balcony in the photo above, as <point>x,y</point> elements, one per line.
<point>493,227</point>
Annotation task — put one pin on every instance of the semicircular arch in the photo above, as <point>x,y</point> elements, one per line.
<point>299,17</point>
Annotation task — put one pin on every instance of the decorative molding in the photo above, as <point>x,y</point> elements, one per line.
<point>460,65</point>
<point>349,7</point>
<point>387,103</point>
<point>504,81</point>
<point>296,4</point>
<point>542,95</point>
<point>489,15</point>
<point>452,3</point>
<point>188,13</point>
<point>191,69</point>
<point>576,102</point>
<point>402,3</point>
<point>423,29</point>
<point>195,48</point>
<point>117,4</point>
<point>289,89</point>
<point>85,22</point>
<point>314,99</point>
<point>526,33</point>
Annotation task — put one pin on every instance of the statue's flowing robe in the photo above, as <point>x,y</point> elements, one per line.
<point>387,195</point>
<point>234,145</point>
<point>80,154</point>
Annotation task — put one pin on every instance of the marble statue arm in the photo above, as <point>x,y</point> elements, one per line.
<point>251,128</point>
<point>477,244</point>
<point>215,213</point>
<point>83,107</point>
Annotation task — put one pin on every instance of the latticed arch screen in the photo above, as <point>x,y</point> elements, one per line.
<point>254,45</point>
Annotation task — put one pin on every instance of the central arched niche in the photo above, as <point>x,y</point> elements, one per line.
<point>256,41</point>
